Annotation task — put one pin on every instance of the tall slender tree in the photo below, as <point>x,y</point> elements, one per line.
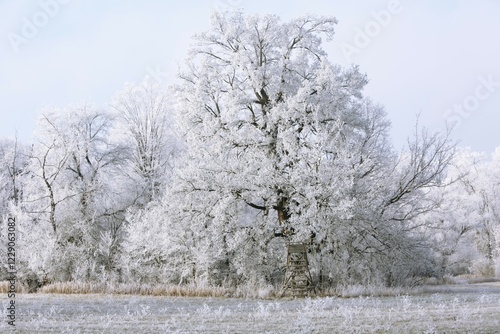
<point>144,123</point>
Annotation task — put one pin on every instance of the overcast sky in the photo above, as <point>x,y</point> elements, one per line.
<point>439,59</point>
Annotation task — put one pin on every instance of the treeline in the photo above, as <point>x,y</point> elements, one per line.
<point>262,141</point>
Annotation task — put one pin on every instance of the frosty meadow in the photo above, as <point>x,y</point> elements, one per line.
<point>263,141</point>
<point>445,309</point>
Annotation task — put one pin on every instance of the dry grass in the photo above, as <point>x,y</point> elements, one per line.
<point>4,287</point>
<point>247,291</point>
<point>189,290</point>
<point>126,289</point>
<point>135,289</point>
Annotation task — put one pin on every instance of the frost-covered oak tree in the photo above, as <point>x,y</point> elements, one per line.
<point>280,141</point>
<point>268,119</point>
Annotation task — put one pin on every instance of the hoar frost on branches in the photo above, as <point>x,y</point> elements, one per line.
<point>75,193</point>
<point>281,142</point>
<point>144,125</point>
<point>266,116</point>
<point>465,229</point>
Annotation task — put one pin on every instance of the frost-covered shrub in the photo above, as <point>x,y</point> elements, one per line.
<point>35,250</point>
<point>157,249</point>
<point>483,267</point>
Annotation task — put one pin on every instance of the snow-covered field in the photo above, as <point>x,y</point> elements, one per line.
<point>449,309</point>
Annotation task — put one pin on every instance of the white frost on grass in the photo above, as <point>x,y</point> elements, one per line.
<point>453,312</point>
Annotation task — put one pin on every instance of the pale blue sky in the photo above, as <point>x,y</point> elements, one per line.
<point>437,58</point>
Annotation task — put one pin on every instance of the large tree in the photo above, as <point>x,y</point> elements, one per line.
<point>281,142</point>
<point>267,117</point>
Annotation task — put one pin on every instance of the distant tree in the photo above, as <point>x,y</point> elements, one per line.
<point>491,183</point>
<point>144,124</point>
<point>78,188</point>
<point>48,162</point>
<point>464,228</point>
<point>13,175</point>
<point>14,157</point>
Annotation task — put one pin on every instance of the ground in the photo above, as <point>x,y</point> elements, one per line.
<point>468,308</point>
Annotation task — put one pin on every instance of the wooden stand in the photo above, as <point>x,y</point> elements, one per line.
<point>297,276</point>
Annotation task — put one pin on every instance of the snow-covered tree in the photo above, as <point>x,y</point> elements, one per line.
<point>491,181</point>
<point>281,142</point>
<point>144,124</point>
<point>464,228</point>
<point>157,249</point>
<point>485,188</point>
<point>13,174</point>
<point>77,189</point>
<point>14,160</point>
